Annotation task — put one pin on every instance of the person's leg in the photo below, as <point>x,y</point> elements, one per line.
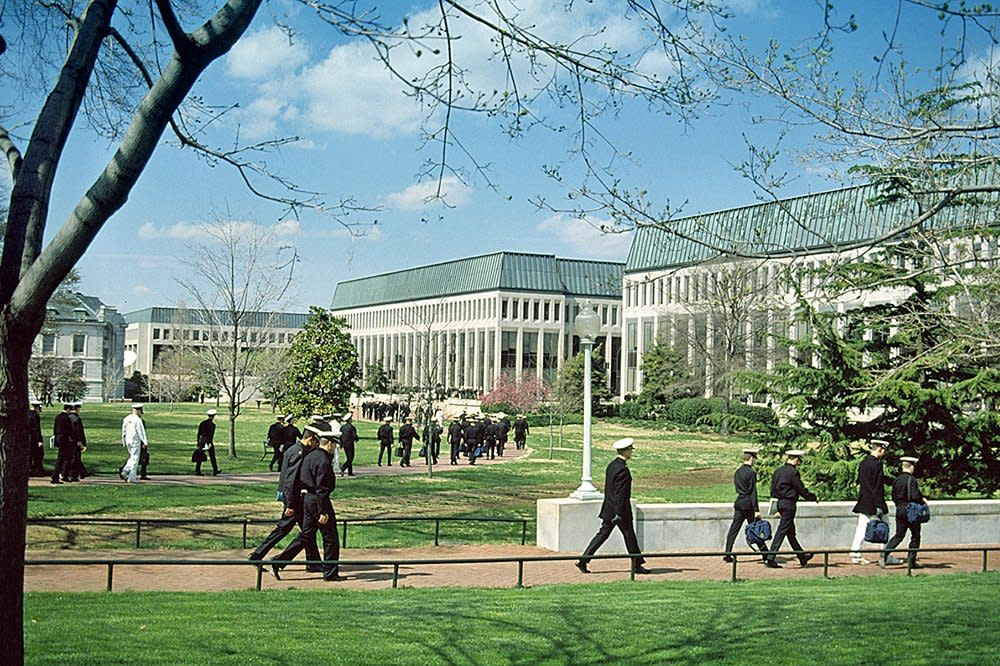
<point>734,529</point>
<point>281,529</point>
<point>211,458</point>
<point>602,535</point>
<point>331,548</point>
<point>914,542</point>
<point>784,525</point>
<point>859,537</point>
<point>897,538</point>
<point>627,529</point>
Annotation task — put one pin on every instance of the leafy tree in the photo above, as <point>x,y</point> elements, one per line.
<point>569,386</point>
<point>525,396</point>
<point>323,368</point>
<point>136,386</point>
<point>376,378</point>
<point>666,375</point>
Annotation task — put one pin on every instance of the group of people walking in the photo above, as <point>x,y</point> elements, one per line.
<point>69,438</point>
<point>786,490</point>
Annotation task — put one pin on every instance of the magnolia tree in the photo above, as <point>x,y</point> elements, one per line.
<point>526,396</point>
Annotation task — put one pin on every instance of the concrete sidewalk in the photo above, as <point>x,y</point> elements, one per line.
<point>362,576</point>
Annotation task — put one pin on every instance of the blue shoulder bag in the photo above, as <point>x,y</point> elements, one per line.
<point>757,533</point>
<point>916,512</point>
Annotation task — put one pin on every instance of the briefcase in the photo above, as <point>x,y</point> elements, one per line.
<point>877,531</point>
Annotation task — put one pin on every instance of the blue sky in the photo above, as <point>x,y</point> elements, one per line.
<point>361,138</point>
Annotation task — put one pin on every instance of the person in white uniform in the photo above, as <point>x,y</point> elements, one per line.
<point>133,439</point>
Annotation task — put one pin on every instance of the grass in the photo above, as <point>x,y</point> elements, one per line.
<point>668,467</point>
<point>812,621</point>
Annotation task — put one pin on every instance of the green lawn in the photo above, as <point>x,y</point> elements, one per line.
<point>813,621</point>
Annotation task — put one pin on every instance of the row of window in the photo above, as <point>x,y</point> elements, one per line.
<point>511,309</point>
<point>79,345</point>
<point>198,335</point>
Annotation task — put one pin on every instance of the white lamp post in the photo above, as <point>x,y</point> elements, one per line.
<point>587,326</point>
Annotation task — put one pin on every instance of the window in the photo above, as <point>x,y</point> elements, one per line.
<point>535,311</point>
<point>546,310</point>
<point>195,335</point>
<point>79,343</point>
<point>503,307</point>
<point>48,344</point>
<point>156,334</point>
<point>281,338</point>
<point>524,310</point>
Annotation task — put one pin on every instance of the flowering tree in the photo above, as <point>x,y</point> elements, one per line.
<point>523,396</point>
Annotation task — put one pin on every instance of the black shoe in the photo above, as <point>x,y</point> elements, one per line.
<point>582,566</point>
<point>253,557</point>
<point>276,572</point>
<point>217,472</point>
<point>916,565</point>
<point>315,568</point>
<point>727,558</point>
<point>639,569</point>
<point>332,578</point>
<point>771,564</point>
<point>198,474</point>
<point>144,478</point>
<point>804,559</point>
<point>56,482</point>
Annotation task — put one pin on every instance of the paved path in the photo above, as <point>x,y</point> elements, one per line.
<point>272,477</point>
<point>207,577</point>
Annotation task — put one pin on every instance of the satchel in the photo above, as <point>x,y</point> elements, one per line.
<point>423,452</point>
<point>198,456</point>
<point>757,533</point>
<point>877,531</point>
<point>916,512</point>
<point>399,451</point>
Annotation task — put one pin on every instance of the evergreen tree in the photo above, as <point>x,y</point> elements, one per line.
<point>323,368</point>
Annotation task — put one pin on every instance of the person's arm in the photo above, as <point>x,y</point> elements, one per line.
<point>801,489</point>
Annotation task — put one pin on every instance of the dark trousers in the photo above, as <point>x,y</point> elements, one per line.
<point>35,457</point>
<point>283,528</point>
<point>276,458</point>
<point>74,469</point>
<point>64,456</point>
<point>455,450</point>
<point>902,524</point>
<point>435,449</point>
<point>385,447</point>
<point>348,459</point>
<point>210,452</point>
<point>491,447</point>
<point>627,530</point>
<point>786,528</point>
<point>143,462</point>
<point>519,442</point>
<point>405,460</point>
<point>307,537</point>
<point>740,516</point>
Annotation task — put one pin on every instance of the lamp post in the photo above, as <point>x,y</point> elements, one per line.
<point>587,326</point>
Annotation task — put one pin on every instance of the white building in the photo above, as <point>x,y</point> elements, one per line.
<point>90,336</point>
<point>461,324</point>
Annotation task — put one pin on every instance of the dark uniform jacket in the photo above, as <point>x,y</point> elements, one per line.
<point>745,480</point>
<point>348,434</point>
<point>316,478</point>
<point>407,433</point>
<point>455,432</point>
<point>520,428</point>
<point>871,496</point>
<point>79,437</point>
<point>288,478</point>
<point>62,428</point>
<point>432,433</point>
<point>290,435</point>
<point>35,428</point>
<point>905,490</point>
<point>276,435</point>
<point>206,432</point>
<point>617,491</point>
<point>385,434</point>
<point>786,484</point>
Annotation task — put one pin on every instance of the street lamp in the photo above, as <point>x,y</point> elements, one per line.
<point>587,326</point>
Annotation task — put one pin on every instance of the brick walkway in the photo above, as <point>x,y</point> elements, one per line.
<point>206,578</point>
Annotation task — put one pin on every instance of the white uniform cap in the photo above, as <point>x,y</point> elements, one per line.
<point>347,416</point>
<point>879,442</point>
<point>625,443</point>
<point>211,412</point>
<point>36,402</point>
<point>388,419</point>
<point>313,430</point>
<point>332,433</point>
<point>316,418</point>
<point>750,452</point>
<point>795,453</point>
<point>136,405</point>
<point>909,459</point>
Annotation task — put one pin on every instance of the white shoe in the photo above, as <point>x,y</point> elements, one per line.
<point>859,560</point>
<point>893,560</point>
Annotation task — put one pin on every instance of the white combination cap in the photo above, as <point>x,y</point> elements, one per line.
<point>625,443</point>
<point>211,412</point>
<point>795,453</point>
<point>909,459</point>
<point>136,405</point>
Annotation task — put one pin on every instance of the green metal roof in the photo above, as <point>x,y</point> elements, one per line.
<point>500,271</point>
<point>159,315</point>
<point>806,224</point>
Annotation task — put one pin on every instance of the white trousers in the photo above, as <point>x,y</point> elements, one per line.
<point>859,535</point>
<point>132,464</point>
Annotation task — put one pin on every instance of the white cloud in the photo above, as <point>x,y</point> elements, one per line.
<point>141,290</point>
<point>266,53</point>
<point>186,231</point>
<point>453,193</point>
<point>983,69</point>
<point>287,228</point>
<point>594,238</point>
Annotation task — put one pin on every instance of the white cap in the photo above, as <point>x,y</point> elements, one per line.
<point>316,418</point>
<point>313,430</point>
<point>211,412</point>
<point>795,453</point>
<point>347,416</point>
<point>625,443</point>
<point>332,433</point>
<point>875,443</point>
<point>750,452</point>
<point>909,459</point>
<point>136,405</point>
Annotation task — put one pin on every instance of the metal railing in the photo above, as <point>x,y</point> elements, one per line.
<point>520,560</point>
<point>140,523</point>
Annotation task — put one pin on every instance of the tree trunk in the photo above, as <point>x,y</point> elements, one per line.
<point>232,431</point>
<point>13,486</point>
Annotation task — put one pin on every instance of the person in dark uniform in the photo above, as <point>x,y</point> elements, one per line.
<point>407,433</point>
<point>616,509</point>
<point>455,440</point>
<point>62,428</point>
<point>206,442</point>
<point>520,431</point>
<point>276,440</point>
<point>871,495</point>
<point>348,439</point>
<point>290,433</point>
<point>904,490</point>
<point>473,438</point>
<point>385,440</point>
<point>36,443</point>
<point>291,498</point>
<point>746,508</point>
<point>76,470</point>
<point>503,432</point>
<point>787,487</point>
<point>432,440</point>
<point>315,484</point>
<point>489,437</point>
